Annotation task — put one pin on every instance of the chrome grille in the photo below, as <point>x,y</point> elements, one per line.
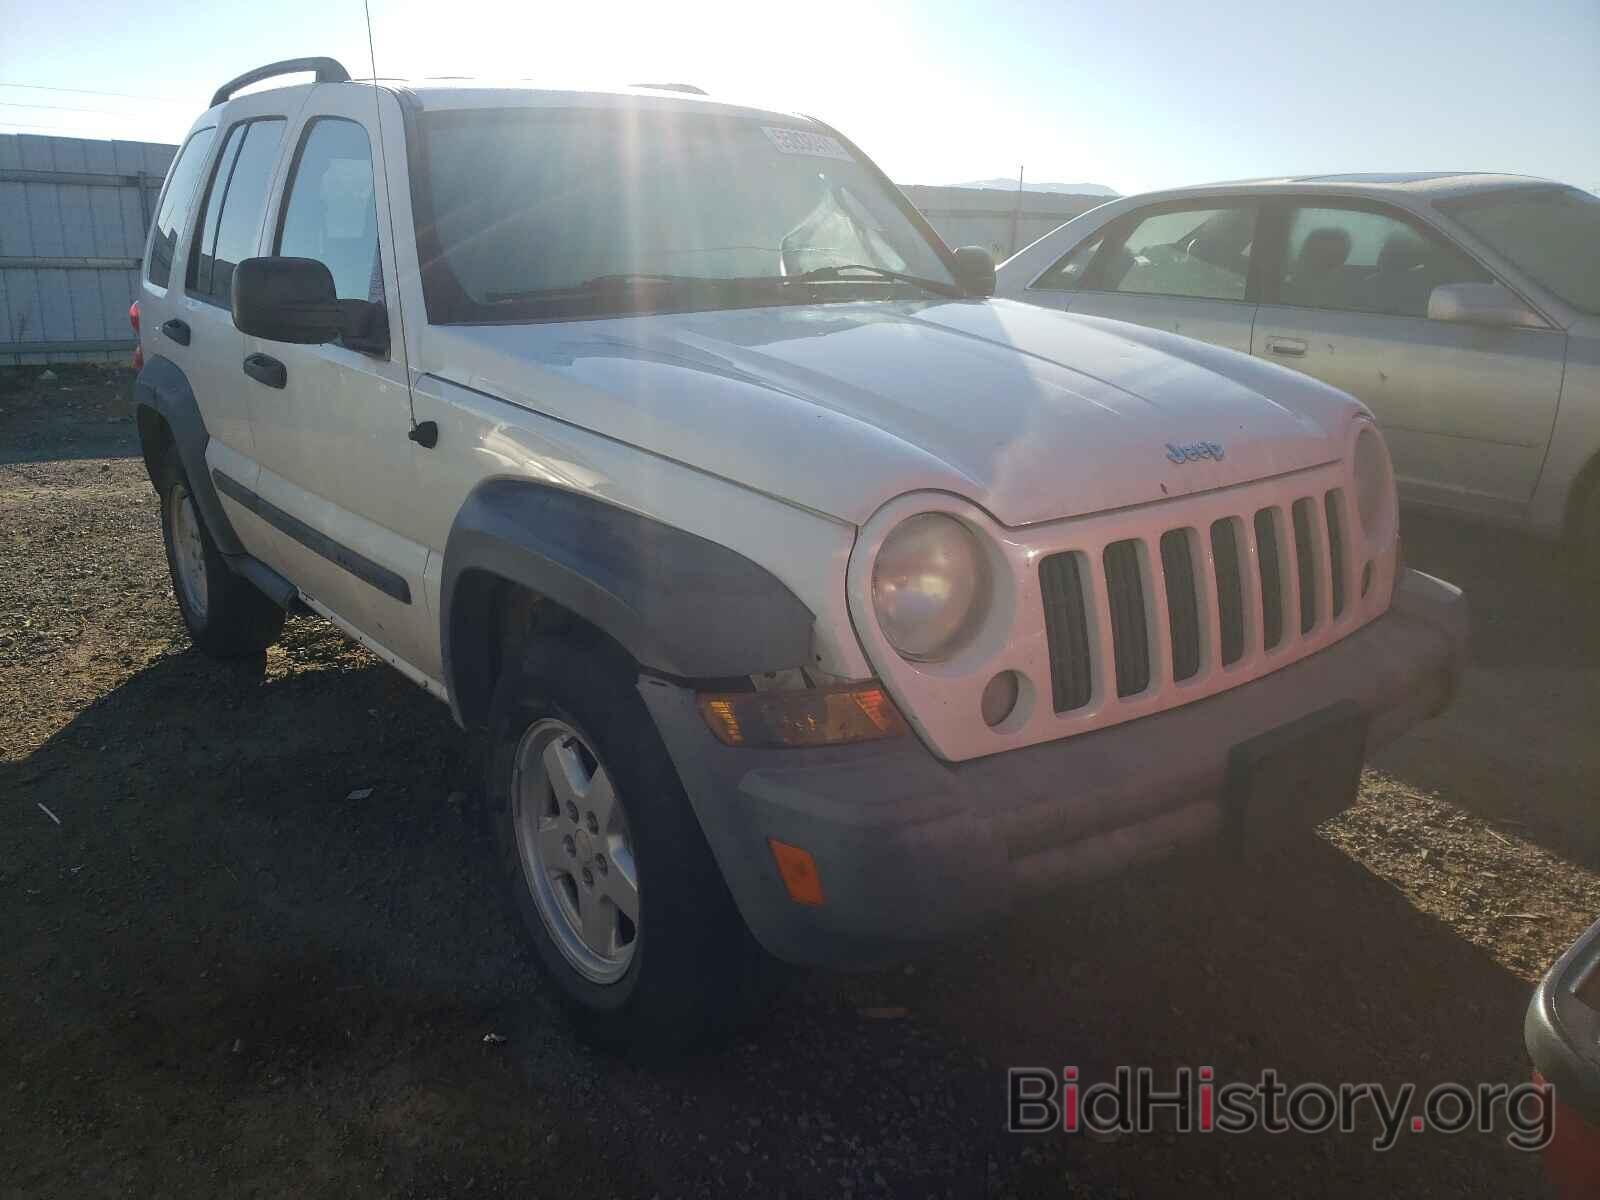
<point>1305,558</point>
<point>1271,578</point>
<point>1129,631</point>
<point>1188,606</point>
<point>1332,505</point>
<point>1183,603</point>
<point>1066,627</point>
<point>1230,589</point>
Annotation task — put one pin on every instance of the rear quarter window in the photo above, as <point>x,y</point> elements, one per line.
<point>177,202</point>
<point>229,228</point>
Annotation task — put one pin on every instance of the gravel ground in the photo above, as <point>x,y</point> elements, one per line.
<point>223,974</point>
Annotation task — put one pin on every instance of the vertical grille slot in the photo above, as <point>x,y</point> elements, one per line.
<point>1183,612</point>
<point>1331,505</point>
<point>1230,589</point>
<point>1066,624</point>
<point>1271,579</point>
<point>1306,562</point>
<point>1129,633</point>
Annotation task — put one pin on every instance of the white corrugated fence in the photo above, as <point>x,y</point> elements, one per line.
<point>73,216</point>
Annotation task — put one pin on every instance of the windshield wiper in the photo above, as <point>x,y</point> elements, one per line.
<point>602,284</point>
<point>836,271</point>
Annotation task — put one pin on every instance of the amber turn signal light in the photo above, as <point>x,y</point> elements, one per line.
<point>799,871</point>
<point>856,712</point>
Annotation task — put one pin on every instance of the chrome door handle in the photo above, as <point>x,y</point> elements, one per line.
<point>1291,347</point>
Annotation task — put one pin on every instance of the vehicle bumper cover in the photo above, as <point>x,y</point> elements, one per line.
<point>1562,1033</point>
<point>911,849</point>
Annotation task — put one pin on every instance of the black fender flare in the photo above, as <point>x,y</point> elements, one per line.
<point>163,388</point>
<point>680,604</point>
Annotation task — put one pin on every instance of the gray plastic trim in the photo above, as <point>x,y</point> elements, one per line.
<point>681,605</point>
<point>363,568</point>
<point>1562,1032</point>
<point>163,388</point>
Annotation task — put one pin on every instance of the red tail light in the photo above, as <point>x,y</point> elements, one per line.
<point>138,350</point>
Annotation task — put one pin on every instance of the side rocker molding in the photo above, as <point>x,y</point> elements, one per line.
<point>679,604</point>
<point>164,389</point>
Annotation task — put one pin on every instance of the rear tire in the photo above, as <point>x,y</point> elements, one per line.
<point>592,820</point>
<point>227,616</point>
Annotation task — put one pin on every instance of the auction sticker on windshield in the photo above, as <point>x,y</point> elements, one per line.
<point>803,141</point>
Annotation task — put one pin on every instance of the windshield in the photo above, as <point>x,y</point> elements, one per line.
<point>1552,233</point>
<point>527,214</point>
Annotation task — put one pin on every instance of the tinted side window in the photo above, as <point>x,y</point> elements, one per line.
<point>235,202</point>
<point>1362,261</point>
<point>1202,252</point>
<point>177,202</point>
<point>1067,273</point>
<point>198,277</point>
<point>331,214</point>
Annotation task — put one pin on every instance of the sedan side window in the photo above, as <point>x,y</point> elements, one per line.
<point>1200,252</point>
<point>331,214</point>
<point>1067,273</point>
<point>1356,260</point>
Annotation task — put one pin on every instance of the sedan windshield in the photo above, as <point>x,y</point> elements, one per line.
<point>549,213</point>
<point>1552,233</point>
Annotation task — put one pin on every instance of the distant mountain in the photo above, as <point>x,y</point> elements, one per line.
<point>1028,185</point>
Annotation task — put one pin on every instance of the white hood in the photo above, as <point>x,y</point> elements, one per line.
<point>1030,413</point>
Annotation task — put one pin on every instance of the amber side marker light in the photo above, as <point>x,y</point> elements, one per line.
<point>799,871</point>
<point>855,712</point>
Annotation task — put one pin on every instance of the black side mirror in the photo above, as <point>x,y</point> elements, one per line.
<point>975,271</point>
<point>286,300</point>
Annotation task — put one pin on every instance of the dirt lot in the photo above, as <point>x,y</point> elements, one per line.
<point>222,974</point>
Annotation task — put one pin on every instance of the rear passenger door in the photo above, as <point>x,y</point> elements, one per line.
<point>1182,266</point>
<point>1467,410</point>
<point>227,228</point>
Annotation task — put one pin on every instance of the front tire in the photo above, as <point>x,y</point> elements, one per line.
<point>616,887</point>
<point>227,616</point>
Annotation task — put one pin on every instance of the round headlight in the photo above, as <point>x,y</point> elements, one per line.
<point>1374,481</point>
<point>927,584</point>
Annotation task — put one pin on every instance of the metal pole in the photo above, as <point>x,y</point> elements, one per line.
<point>1016,215</point>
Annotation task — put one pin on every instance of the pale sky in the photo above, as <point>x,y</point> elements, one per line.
<point>1131,95</point>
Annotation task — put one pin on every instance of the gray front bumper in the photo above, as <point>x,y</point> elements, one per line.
<point>911,849</point>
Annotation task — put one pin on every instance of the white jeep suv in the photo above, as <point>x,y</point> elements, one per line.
<point>811,599</point>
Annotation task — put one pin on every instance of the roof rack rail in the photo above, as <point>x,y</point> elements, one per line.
<point>687,88</point>
<point>329,70</point>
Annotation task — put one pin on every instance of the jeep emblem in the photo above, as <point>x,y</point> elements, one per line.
<point>1194,452</point>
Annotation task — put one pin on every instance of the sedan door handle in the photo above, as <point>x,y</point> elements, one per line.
<point>263,368</point>
<point>1291,347</point>
<point>177,330</point>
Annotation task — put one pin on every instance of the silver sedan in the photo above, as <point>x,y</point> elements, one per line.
<point>1464,310</point>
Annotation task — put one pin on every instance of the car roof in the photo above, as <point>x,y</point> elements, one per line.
<point>439,94</point>
<point>443,94</point>
<point>1429,185</point>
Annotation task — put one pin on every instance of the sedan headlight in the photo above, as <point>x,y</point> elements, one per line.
<point>928,585</point>
<point>1374,477</point>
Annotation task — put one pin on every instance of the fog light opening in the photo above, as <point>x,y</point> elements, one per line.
<point>1000,698</point>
